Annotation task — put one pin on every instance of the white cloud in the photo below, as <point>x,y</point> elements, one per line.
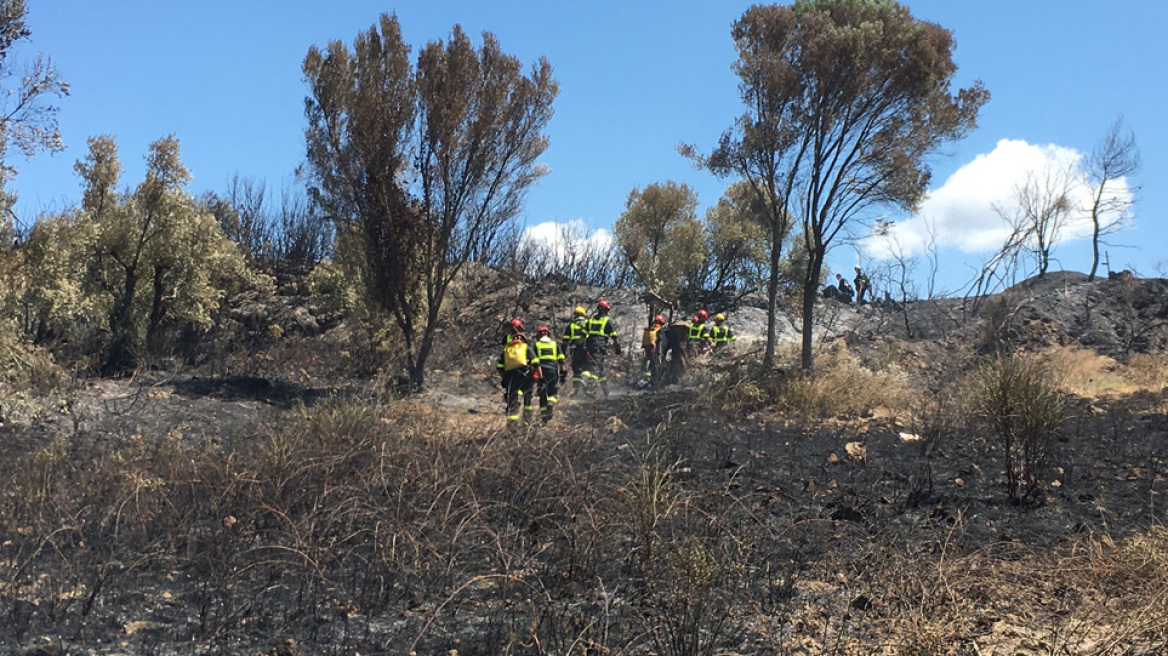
<point>962,209</point>
<point>569,237</point>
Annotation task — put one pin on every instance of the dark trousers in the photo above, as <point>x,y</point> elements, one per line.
<point>549,389</point>
<point>650,362</point>
<point>516,390</point>
<point>596,362</point>
<point>579,363</point>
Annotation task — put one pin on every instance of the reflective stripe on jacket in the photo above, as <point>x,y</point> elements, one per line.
<point>548,354</point>
<point>722,334</point>
<point>576,332</point>
<point>600,327</point>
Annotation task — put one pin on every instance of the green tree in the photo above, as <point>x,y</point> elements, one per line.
<point>845,99</point>
<point>662,239</point>
<point>158,255</point>
<point>26,120</point>
<point>736,240</point>
<point>431,163</point>
<point>44,289</point>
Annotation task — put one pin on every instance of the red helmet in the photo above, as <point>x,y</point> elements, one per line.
<point>603,304</point>
<point>516,323</point>
<point>703,315</point>
<point>659,320</point>
<point>542,330</point>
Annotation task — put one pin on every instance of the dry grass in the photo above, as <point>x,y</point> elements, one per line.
<point>340,516</point>
<point>840,386</point>
<point>1088,374</point>
<point>1091,598</point>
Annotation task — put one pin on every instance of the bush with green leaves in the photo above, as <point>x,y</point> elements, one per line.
<point>159,259</point>
<point>44,282</point>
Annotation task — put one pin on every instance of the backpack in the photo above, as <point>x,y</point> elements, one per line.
<point>514,355</point>
<point>649,337</point>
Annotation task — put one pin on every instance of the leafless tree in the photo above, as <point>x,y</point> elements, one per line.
<point>1114,158</point>
<point>1040,208</point>
<point>998,271</point>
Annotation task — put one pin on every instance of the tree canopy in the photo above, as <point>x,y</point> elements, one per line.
<point>845,99</point>
<point>429,161</point>
<point>27,121</point>
<point>662,239</point>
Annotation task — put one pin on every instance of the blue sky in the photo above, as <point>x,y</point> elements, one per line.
<point>636,79</point>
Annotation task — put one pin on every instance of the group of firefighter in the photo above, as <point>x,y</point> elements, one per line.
<point>530,368</point>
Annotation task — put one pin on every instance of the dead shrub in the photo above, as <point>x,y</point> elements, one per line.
<point>651,495</point>
<point>1148,371</point>
<point>1022,401</point>
<point>691,611</point>
<point>997,314</point>
<point>840,386</point>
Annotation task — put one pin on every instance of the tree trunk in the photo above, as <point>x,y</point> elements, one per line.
<point>121,325</point>
<point>1094,251</point>
<point>418,366</point>
<point>810,295</point>
<point>768,358</point>
<point>157,310</point>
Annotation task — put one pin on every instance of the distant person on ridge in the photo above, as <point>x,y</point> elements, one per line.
<point>515,376</point>
<point>575,336</point>
<point>845,289</point>
<point>861,281</point>
<point>600,331</point>
<point>549,361</point>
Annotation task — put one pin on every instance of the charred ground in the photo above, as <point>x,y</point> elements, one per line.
<point>276,496</point>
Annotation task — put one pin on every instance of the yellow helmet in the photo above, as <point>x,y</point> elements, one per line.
<point>580,311</point>
<point>719,317</point>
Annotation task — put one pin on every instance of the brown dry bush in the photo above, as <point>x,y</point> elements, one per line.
<point>1088,374</point>
<point>840,386</point>
<point>1022,402</point>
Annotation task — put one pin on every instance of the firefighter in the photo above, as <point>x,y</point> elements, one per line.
<point>699,335</point>
<point>574,341</point>
<point>845,290</point>
<point>651,338</point>
<point>721,336</point>
<point>514,327</point>
<point>674,351</point>
<point>600,331</point>
<point>549,369</point>
<point>862,286</point>
<point>515,364</point>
